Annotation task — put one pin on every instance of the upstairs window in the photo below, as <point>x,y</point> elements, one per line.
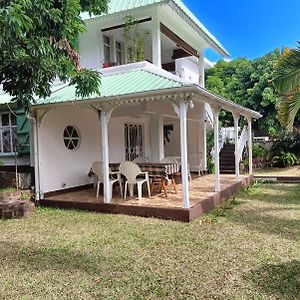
<point>106,42</point>
<point>8,133</point>
<point>119,53</point>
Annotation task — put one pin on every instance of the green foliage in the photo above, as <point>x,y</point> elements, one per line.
<point>288,83</point>
<point>259,151</point>
<point>135,38</point>
<point>210,145</point>
<point>25,195</point>
<point>286,142</point>
<point>285,159</point>
<point>35,46</point>
<point>247,82</point>
<point>286,149</point>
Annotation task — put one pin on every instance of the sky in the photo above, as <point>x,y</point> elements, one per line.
<point>249,28</point>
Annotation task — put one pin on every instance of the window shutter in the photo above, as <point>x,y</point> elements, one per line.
<point>22,132</point>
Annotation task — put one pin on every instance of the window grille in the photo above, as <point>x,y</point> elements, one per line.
<point>8,137</point>
<point>71,138</point>
<point>134,147</point>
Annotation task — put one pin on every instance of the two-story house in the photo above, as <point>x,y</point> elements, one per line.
<point>153,108</point>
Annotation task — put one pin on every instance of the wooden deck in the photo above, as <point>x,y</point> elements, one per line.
<point>202,199</point>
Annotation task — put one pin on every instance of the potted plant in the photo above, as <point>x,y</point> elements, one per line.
<point>135,38</point>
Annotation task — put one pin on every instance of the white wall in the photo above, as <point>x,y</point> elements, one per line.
<point>187,69</point>
<point>89,48</point>
<point>116,136</point>
<point>60,167</point>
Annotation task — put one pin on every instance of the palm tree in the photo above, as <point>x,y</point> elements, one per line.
<point>288,83</point>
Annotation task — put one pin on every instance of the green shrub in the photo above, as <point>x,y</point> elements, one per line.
<point>286,142</point>
<point>285,159</point>
<point>259,151</point>
<point>286,150</point>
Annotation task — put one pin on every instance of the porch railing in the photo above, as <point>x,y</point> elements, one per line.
<point>242,142</point>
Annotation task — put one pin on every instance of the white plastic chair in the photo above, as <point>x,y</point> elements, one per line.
<point>131,170</point>
<point>97,169</point>
<point>142,159</point>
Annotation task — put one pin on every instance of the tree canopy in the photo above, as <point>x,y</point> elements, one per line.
<point>249,83</point>
<point>288,83</point>
<point>37,45</point>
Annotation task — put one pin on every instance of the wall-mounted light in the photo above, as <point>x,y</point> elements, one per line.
<point>191,104</point>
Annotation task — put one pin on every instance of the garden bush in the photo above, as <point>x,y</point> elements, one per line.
<point>286,150</point>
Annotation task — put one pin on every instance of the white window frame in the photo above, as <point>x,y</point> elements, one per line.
<point>70,138</point>
<point>120,51</point>
<point>12,132</point>
<point>108,46</point>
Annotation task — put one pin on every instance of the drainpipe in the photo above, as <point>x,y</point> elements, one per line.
<point>36,158</point>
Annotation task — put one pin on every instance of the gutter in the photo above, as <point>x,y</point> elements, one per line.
<point>37,186</point>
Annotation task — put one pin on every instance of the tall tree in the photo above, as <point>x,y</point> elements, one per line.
<point>247,82</point>
<point>37,46</point>
<point>288,83</point>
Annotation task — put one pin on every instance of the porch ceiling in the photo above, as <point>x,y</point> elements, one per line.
<point>141,82</point>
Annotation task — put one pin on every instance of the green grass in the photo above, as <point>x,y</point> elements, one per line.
<point>288,171</point>
<point>246,249</point>
<point>7,189</point>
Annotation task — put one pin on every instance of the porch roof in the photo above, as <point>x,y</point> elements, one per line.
<point>141,81</point>
<point>114,85</point>
<point>116,6</point>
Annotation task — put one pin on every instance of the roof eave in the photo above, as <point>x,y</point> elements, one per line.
<point>167,93</point>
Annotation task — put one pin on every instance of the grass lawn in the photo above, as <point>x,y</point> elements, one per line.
<point>248,250</point>
<point>290,171</point>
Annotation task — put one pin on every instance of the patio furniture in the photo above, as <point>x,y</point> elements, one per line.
<point>176,159</point>
<point>195,162</point>
<point>142,159</point>
<point>132,172</point>
<point>97,169</point>
<point>161,174</point>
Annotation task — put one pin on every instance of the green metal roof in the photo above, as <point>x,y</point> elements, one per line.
<point>115,6</point>
<point>127,83</point>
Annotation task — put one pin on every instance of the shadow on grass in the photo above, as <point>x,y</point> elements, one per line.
<point>261,221</point>
<point>281,281</point>
<point>273,219</point>
<point>47,258</point>
<point>291,194</point>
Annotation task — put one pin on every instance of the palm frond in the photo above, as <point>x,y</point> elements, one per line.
<point>288,109</point>
<point>294,108</point>
<point>289,82</point>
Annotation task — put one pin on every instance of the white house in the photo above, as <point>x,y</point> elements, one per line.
<point>154,108</point>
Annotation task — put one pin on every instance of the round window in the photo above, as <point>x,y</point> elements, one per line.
<point>71,138</point>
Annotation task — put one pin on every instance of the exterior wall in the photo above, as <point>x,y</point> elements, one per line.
<point>196,138</point>
<point>59,167</point>
<point>116,136</point>
<point>187,70</point>
<point>89,48</point>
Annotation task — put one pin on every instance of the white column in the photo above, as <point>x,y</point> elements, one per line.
<point>216,113</point>
<point>201,69</point>
<point>184,155</point>
<point>104,118</point>
<point>236,144</point>
<point>157,137</point>
<point>250,145</point>
<point>156,41</point>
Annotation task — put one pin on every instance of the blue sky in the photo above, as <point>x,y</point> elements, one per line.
<point>249,28</point>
